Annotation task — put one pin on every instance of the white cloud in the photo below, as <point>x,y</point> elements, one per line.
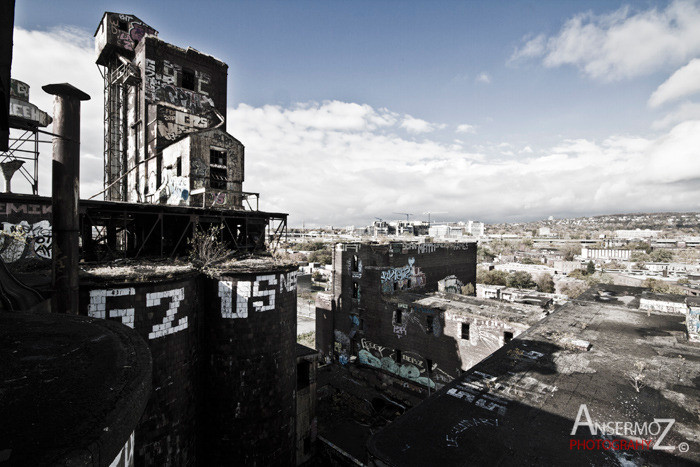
<point>483,78</point>
<point>466,128</point>
<point>56,56</point>
<point>532,47</point>
<point>362,175</point>
<point>416,125</point>
<point>622,44</point>
<point>345,163</point>
<point>684,112</point>
<point>684,82</point>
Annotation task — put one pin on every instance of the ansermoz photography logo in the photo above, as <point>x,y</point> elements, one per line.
<point>623,435</point>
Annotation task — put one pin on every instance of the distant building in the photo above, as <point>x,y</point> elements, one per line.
<point>606,253</point>
<point>637,234</point>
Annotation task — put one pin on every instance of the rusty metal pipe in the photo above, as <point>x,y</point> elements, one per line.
<point>65,194</point>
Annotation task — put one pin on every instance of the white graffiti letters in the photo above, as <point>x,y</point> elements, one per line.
<point>176,296</point>
<point>261,294</point>
<point>98,305</point>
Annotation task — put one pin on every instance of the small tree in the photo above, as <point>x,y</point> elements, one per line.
<point>590,268</point>
<point>468,289</point>
<point>495,277</point>
<point>573,290</point>
<point>545,283</point>
<point>206,249</point>
<point>661,256</point>
<point>637,376</point>
<point>520,280</point>
<point>570,251</point>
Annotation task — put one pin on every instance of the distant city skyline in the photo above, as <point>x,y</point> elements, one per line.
<point>356,110</point>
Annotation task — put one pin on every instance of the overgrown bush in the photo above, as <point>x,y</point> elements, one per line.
<point>206,248</point>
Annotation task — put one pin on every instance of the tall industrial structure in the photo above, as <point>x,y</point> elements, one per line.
<point>164,118</point>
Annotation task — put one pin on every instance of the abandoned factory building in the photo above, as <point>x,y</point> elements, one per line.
<point>165,120</point>
<point>385,313</point>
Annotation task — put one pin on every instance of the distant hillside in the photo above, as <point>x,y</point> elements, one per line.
<point>680,222</point>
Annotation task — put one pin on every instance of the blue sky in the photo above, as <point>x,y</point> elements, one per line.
<point>484,110</point>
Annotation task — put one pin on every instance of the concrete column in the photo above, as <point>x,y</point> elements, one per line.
<point>65,192</point>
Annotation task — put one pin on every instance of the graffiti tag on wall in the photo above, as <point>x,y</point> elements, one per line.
<point>172,123</point>
<point>260,294</point>
<point>411,367</point>
<point>479,388</point>
<point>26,241</point>
<point>98,308</point>
<point>162,87</point>
<point>402,278</point>
<point>450,284</point>
<point>131,32</point>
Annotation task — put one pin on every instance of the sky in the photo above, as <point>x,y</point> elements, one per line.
<point>356,110</point>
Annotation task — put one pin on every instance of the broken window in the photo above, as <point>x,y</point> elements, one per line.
<point>355,263</point>
<point>465,331</point>
<point>217,169</point>
<point>188,79</point>
<point>507,337</point>
<point>303,371</point>
<point>398,316</point>
<point>429,321</point>
<point>217,158</point>
<point>355,290</point>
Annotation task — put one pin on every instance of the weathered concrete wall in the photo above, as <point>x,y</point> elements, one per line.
<point>249,368</point>
<point>121,33</point>
<point>166,314</point>
<point>183,91</point>
<point>218,196</point>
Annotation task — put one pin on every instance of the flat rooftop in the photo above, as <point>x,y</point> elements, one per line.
<point>496,309</point>
<point>519,405</point>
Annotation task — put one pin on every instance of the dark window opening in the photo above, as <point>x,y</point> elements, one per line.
<point>398,316</point>
<point>354,263</point>
<point>355,290</point>
<point>303,371</point>
<point>307,445</point>
<point>465,331</point>
<point>217,157</point>
<point>362,324</point>
<point>178,164</point>
<point>123,26</point>
<point>396,286</point>
<point>429,328</point>
<point>409,283</point>
<point>188,79</point>
<point>429,364</point>
<point>507,337</point>
<point>397,356</point>
<point>217,178</point>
